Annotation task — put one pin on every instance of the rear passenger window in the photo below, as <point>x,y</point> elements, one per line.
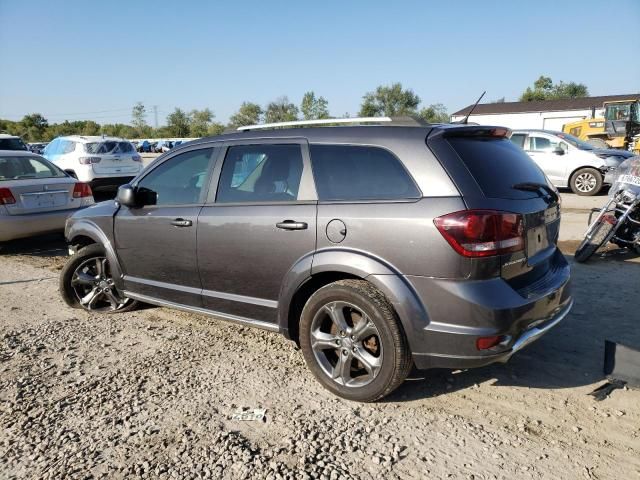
<point>66,146</point>
<point>345,172</point>
<point>260,173</point>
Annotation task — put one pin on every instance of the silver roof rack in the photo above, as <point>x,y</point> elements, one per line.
<point>328,121</point>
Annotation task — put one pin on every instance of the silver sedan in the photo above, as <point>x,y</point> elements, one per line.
<point>36,197</point>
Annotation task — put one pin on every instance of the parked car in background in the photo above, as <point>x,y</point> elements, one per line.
<point>570,162</point>
<point>36,147</point>
<point>144,146</point>
<point>36,196</point>
<point>163,146</point>
<point>11,142</point>
<point>373,247</point>
<point>103,162</point>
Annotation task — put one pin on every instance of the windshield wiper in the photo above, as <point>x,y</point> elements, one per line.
<point>536,187</point>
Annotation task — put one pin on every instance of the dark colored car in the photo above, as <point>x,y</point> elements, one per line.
<point>373,247</point>
<point>11,142</point>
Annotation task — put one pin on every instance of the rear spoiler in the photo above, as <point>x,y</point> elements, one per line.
<point>477,131</point>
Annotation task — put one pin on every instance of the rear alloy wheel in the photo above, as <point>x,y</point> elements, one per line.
<point>586,181</point>
<point>353,342</point>
<point>86,282</point>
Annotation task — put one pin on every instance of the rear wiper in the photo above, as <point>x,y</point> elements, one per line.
<point>536,187</point>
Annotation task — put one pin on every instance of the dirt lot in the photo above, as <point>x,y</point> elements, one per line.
<point>150,394</point>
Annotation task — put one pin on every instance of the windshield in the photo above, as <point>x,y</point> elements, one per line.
<point>12,144</point>
<point>575,141</point>
<point>17,168</point>
<point>109,147</point>
<point>618,111</point>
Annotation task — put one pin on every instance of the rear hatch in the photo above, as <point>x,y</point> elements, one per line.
<point>492,173</point>
<point>111,157</point>
<point>30,184</point>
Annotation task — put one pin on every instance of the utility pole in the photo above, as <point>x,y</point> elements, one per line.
<point>155,116</point>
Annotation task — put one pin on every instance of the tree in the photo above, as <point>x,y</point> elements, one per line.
<point>215,128</point>
<point>33,127</point>
<point>390,100</point>
<point>281,110</point>
<point>90,128</point>
<point>199,122</point>
<point>435,113</point>
<point>544,89</point>
<point>248,114</point>
<point>313,108</point>
<point>178,123</point>
<point>138,119</point>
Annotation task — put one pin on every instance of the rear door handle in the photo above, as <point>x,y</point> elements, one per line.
<point>181,222</point>
<point>291,225</point>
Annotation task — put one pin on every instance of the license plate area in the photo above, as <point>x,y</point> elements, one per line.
<point>537,240</point>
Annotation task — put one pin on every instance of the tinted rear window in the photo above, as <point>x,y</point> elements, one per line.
<point>109,147</point>
<point>344,172</point>
<point>21,168</point>
<point>497,164</point>
<point>12,144</point>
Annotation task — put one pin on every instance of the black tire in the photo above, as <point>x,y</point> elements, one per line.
<point>69,295</point>
<point>588,247</point>
<point>586,181</point>
<point>389,340</point>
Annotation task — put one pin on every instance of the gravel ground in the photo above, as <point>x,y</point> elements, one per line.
<point>151,393</point>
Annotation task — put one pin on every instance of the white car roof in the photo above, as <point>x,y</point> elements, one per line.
<point>6,135</point>
<point>91,139</point>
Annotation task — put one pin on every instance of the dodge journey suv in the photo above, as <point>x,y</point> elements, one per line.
<point>373,247</point>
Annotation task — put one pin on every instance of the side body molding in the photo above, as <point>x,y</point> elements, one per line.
<point>87,228</point>
<point>383,276</point>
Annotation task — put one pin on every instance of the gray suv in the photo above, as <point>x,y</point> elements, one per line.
<point>374,248</point>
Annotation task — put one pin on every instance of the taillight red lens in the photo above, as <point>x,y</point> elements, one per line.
<point>482,233</point>
<point>6,197</point>
<point>89,160</point>
<point>81,190</point>
<point>485,343</point>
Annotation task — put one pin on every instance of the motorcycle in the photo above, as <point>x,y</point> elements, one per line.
<point>619,220</point>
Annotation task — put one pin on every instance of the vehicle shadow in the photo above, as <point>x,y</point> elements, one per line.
<point>570,355</point>
<point>46,246</point>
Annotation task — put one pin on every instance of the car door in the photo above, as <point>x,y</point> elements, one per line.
<point>543,149</point>
<point>259,221</point>
<point>156,243</point>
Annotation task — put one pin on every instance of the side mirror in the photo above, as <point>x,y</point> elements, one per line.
<point>559,150</point>
<point>126,195</point>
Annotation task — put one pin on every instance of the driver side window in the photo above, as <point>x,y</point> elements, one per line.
<point>180,180</point>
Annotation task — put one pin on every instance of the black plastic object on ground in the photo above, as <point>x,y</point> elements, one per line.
<point>622,363</point>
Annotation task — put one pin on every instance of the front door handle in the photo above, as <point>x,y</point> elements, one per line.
<point>181,222</point>
<point>291,225</point>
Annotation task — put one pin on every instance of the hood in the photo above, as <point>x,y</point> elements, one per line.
<point>613,152</point>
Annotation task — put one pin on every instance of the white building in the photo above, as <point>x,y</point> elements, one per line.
<point>545,114</point>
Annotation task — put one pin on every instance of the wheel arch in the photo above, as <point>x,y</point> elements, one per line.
<point>327,266</point>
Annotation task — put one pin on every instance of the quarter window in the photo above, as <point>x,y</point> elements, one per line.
<point>518,139</point>
<point>344,172</point>
<point>260,173</point>
<point>180,180</point>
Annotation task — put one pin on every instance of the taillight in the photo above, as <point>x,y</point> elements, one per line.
<point>81,190</point>
<point>482,233</point>
<point>136,158</point>
<point>89,160</point>
<point>485,343</point>
<point>6,197</point>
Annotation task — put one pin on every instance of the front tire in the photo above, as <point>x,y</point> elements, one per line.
<point>353,342</point>
<point>586,181</point>
<point>589,246</point>
<point>86,282</point>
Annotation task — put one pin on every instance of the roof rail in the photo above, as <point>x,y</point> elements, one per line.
<point>327,121</point>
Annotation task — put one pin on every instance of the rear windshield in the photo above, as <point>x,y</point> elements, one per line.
<point>109,147</point>
<point>12,144</point>
<point>17,168</point>
<point>497,164</point>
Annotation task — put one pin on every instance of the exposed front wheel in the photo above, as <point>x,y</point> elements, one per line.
<point>353,342</point>
<point>595,238</point>
<point>586,181</point>
<point>86,282</point>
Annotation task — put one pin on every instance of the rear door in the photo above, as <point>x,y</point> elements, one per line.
<point>157,243</point>
<point>36,185</point>
<point>542,149</point>
<point>259,221</point>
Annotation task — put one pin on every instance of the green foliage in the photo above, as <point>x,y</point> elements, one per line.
<point>248,114</point>
<point>138,119</point>
<point>178,123</point>
<point>313,108</point>
<point>435,113</point>
<point>544,89</point>
<point>389,100</point>
<point>281,110</point>
<point>117,130</point>
<point>199,122</point>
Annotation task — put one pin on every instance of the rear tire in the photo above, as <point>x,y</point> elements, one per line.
<point>353,342</point>
<point>586,181</point>
<point>589,246</point>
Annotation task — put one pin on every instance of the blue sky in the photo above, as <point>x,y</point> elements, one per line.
<point>81,59</point>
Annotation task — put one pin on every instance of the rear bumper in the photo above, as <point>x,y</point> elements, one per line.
<point>13,227</point>
<point>460,312</point>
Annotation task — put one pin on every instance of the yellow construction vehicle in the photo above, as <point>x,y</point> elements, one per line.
<point>619,128</point>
